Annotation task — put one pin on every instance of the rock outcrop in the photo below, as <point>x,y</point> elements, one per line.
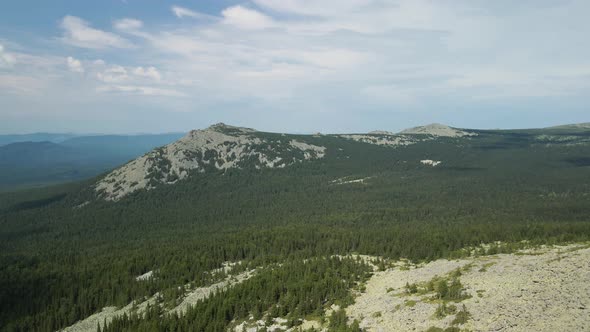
<point>218,147</point>
<point>437,129</point>
<point>382,139</point>
<point>545,289</point>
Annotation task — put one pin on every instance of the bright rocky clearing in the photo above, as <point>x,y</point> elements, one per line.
<point>547,289</point>
<point>191,298</point>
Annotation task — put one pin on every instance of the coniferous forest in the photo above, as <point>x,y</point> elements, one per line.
<point>65,253</point>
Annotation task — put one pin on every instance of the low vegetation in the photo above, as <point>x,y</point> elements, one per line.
<point>461,317</point>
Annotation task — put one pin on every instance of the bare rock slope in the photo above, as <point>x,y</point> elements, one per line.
<point>191,297</point>
<point>437,129</point>
<point>218,147</point>
<point>585,125</point>
<point>537,290</point>
<point>409,136</point>
<point>382,139</point>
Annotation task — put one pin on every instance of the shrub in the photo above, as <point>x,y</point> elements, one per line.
<point>411,288</point>
<point>462,317</point>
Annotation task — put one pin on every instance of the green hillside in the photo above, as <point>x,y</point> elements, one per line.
<point>65,252</point>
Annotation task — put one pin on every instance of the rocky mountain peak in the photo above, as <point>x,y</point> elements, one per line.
<point>585,125</point>
<point>225,128</point>
<point>437,129</point>
<point>218,147</point>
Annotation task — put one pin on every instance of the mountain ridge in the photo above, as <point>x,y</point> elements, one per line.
<point>437,129</point>
<point>216,148</point>
<point>220,147</point>
<point>581,125</point>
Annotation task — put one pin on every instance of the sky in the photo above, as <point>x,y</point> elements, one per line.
<point>299,66</point>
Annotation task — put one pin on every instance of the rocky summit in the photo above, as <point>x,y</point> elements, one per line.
<point>216,148</point>
<point>437,129</point>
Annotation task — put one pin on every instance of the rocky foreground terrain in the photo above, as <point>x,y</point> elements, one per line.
<point>547,289</point>
<point>191,298</point>
<point>543,289</point>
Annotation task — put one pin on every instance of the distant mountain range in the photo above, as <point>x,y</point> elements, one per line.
<point>44,158</point>
<point>54,158</point>
<point>222,147</point>
<point>35,137</point>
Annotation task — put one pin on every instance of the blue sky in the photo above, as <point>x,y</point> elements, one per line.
<point>292,65</point>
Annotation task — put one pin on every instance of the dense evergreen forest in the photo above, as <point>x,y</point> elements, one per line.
<point>65,254</point>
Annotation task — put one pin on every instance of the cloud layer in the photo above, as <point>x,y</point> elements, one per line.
<point>6,59</point>
<point>349,58</point>
<point>79,33</point>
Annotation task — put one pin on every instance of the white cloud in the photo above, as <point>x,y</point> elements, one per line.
<point>497,83</point>
<point>119,74</point>
<point>314,7</point>
<point>128,24</point>
<point>139,90</point>
<point>6,59</point>
<point>245,18</point>
<point>276,71</point>
<point>487,77</point>
<point>182,12</point>
<point>333,58</point>
<point>79,33</point>
<point>149,72</point>
<point>113,74</point>
<point>390,94</point>
<point>20,84</point>
<point>74,65</point>
<point>322,56</point>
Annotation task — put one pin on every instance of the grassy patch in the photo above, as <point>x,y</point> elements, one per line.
<point>461,317</point>
<point>410,303</point>
<point>444,310</point>
<point>485,267</point>
<point>530,253</point>
<point>411,288</point>
<point>447,289</point>
<point>467,267</point>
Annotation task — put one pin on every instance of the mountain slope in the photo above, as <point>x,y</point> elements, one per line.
<point>221,147</point>
<point>585,125</point>
<point>218,147</point>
